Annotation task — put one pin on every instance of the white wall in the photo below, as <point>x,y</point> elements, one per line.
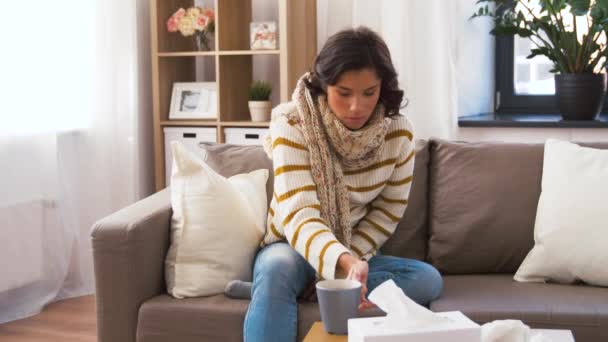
<point>531,134</point>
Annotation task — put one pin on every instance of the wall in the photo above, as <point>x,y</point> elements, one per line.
<point>145,150</point>
<point>531,134</point>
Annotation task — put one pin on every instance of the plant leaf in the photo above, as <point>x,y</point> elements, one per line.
<point>579,7</point>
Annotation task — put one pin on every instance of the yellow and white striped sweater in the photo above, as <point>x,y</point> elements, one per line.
<point>378,196</point>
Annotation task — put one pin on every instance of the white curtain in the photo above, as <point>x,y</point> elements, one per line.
<point>75,139</point>
<point>445,62</point>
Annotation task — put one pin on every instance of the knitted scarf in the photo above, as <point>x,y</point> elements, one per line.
<point>333,149</point>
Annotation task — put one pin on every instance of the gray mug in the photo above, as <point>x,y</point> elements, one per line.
<point>339,300</point>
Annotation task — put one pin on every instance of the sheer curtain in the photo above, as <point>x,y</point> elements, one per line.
<point>75,139</point>
<point>445,62</point>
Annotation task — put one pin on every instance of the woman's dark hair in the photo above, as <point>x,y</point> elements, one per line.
<point>356,49</point>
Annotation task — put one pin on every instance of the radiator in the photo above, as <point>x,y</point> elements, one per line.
<point>22,229</point>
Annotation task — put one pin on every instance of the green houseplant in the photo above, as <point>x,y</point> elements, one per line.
<point>259,100</point>
<point>578,52</point>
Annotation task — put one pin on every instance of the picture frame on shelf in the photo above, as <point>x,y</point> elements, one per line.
<point>193,100</point>
<point>263,35</point>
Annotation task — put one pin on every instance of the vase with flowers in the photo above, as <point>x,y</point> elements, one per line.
<point>194,21</point>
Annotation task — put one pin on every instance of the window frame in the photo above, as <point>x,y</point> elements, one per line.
<point>507,101</point>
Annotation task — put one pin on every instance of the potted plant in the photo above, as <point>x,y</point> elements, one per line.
<point>259,100</point>
<point>578,52</point>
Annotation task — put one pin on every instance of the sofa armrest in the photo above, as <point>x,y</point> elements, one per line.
<point>129,249</point>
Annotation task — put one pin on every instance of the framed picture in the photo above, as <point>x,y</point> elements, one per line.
<point>264,35</point>
<point>194,100</point>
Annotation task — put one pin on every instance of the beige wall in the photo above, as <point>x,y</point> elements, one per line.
<point>531,134</point>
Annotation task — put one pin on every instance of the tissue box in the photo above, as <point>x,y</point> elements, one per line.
<point>372,329</point>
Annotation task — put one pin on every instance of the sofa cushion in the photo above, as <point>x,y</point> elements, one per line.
<point>215,318</point>
<point>484,298</point>
<point>216,226</point>
<point>570,232</point>
<point>229,160</point>
<point>482,207</point>
<point>482,204</point>
<point>410,237</point>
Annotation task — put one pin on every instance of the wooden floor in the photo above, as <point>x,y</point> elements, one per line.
<point>70,320</point>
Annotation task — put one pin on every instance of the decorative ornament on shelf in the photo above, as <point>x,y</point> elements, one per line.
<point>194,21</point>
<point>259,101</point>
<point>263,35</point>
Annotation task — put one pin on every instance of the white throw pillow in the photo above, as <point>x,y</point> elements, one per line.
<point>571,229</point>
<point>216,227</point>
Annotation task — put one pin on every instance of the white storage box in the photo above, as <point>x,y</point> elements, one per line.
<point>372,329</point>
<point>245,136</point>
<point>191,137</point>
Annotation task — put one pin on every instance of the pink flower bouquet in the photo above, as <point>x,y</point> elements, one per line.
<point>197,21</point>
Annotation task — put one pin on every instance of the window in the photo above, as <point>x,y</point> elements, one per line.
<point>46,66</point>
<point>524,86</point>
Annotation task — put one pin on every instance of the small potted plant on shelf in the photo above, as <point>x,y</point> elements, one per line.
<point>259,100</point>
<point>577,48</point>
<point>194,21</point>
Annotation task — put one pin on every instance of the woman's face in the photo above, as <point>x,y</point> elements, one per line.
<point>354,97</point>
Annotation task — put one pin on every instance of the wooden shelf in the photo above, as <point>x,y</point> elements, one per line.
<point>186,54</point>
<point>186,123</point>
<point>202,123</point>
<point>230,64</point>
<point>221,53</point>
<point>248,52</point>
<point>244,124</point>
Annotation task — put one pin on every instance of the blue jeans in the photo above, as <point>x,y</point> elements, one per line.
<point>280,274</point>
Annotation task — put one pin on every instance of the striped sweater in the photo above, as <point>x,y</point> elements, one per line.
<point>378,197</point>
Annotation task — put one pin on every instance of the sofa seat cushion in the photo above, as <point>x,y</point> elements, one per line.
<point>484,298</point>
<point>214,318</point>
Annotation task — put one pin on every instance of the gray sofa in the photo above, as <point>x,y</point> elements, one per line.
<point>471,214</point>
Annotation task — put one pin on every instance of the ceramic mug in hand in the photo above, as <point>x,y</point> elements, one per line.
<point>339,300</point>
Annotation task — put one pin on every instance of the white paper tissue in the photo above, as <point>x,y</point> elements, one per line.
<point>509,330</point>
<point>401,311</point>
<point>407,320</point>
<point>505,330</point>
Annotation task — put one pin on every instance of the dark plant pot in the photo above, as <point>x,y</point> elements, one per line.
<point>580,96</point>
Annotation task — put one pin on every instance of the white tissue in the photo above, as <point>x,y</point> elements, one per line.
<point>509,331</point>
<point>401,311</point>
<point>404,313</point>
<point>505,331</point>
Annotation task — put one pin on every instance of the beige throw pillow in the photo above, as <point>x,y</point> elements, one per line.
<point>571,229</point>
<point>216,227</point>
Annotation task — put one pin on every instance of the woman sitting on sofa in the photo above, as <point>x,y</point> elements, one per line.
<point>343,161</point>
